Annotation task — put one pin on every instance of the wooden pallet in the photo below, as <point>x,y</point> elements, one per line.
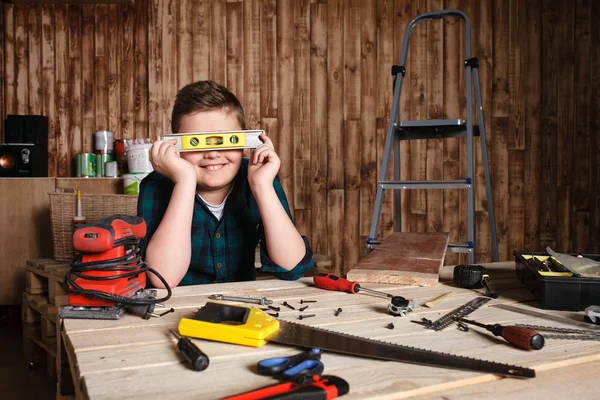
<point>43,299</point>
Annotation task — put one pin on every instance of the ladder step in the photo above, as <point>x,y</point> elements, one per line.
<point>462,247</point>
<point>459,247</point>
<point>432,184</point>
<point>433,129</point>
<point>432,123</point>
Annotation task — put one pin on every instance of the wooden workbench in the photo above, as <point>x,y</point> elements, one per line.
<point>137,359</point>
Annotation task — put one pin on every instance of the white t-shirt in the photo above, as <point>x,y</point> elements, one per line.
<point>218,209</point>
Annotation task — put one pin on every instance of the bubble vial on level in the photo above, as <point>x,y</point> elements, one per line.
<point>214,141</point>
<point>234,139</point>
<point>194,141</point>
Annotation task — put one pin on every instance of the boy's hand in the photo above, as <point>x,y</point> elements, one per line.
<point>166,160</point>
<point>264,164</point>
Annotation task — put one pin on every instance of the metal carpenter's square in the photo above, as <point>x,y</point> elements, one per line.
<point>221,140</point>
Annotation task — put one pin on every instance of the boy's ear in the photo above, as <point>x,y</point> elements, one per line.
<point>247,153</point>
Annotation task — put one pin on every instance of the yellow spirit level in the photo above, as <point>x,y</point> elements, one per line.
<point>223,140</point>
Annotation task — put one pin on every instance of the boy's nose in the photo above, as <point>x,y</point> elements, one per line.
<point>212,154</point>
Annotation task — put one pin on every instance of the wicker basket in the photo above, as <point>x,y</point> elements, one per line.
<point>63,207</point>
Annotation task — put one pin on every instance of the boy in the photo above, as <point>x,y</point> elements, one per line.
<point>207,210</point>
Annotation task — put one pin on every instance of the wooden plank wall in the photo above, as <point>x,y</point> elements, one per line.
<point>316,75</point>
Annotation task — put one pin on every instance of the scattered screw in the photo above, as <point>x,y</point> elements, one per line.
<point>462,326</point>
<point>166,312</point>
<point>307,301</point>
<point>275,315</point>
<point>303,308</point>
<point>301,317</point>
<point>285,303</point>
<point>338,311</point>
<point>390,326</point>
<point>275,308</point>
<point>263,309</point>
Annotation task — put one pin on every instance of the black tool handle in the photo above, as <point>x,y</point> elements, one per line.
<point>192,354</point>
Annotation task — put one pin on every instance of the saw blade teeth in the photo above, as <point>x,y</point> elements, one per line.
<point>418,349</point>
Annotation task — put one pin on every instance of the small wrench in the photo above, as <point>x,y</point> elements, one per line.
<point>263,301</point>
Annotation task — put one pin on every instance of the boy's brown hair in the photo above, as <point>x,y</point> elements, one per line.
<point>205,96</point>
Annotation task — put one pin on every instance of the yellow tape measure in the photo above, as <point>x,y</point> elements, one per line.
<point>224,140</point>
<point>232,324</point>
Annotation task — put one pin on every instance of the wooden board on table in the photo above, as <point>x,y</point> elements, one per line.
<point>404,258</point>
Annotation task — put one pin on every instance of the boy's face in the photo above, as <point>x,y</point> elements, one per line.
<point>215,170</point>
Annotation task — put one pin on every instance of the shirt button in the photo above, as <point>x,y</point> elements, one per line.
<point>219,265</point>
<point>218,235</point>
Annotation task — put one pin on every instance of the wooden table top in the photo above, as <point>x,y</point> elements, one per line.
<point>134,358</point>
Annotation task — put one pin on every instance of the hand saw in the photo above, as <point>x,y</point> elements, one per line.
<point>221,140</point>
<point>252,327</point>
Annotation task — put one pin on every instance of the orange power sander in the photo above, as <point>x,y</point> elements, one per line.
<point>108,278</point>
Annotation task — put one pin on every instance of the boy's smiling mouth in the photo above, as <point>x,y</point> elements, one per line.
<point>214,167</point>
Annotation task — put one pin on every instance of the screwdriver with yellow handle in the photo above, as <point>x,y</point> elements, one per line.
<point>524,338</point>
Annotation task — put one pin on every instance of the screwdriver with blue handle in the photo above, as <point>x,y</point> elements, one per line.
<point>192,354</point>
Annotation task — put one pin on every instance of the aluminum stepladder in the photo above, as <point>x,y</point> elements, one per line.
<point>439,128</point>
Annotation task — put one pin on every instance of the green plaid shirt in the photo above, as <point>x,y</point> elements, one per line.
<point>222,251</point>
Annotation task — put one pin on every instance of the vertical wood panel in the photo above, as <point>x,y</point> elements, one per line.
<point>126,64</point>
<point>301,107</point>
<point>386,57</point>
<point>88,71</point>
<point>235,50</point>
<point>142,68</point>
<point>594,188</point>
<point>368,120</point>
<point>62,90</point>
<point>169,68</point>
<point>9,59</point>
<point>417,68</point>
<point>34,34</point>
<point>74,83</point>
<point>351,133</point>
<point>285,64</point>
<point>532,183</point>
<point>2,73</point>
<point>101,67</point>
<point>351,195</point>
<point>252,65</point>
<point>484,51</point>
<point>201,40</point>
<point>335,121</point>
<point>113,47</point>
<point>550,72</point>
<point>335,91</point>
<point>268,58</point>
<point>154,68</point>
<point>21,59</point>
<point>435,99</point>
<point>218,47</point>
<point>185,53</point>
<point>516,137</point>
<point>48,85</point>
<point>582,143</point>
<point>500,116</point>
<point>318,127</point>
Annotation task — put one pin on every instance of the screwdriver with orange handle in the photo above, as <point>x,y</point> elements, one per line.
<point>334,282</point>
<point>524,338</point>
